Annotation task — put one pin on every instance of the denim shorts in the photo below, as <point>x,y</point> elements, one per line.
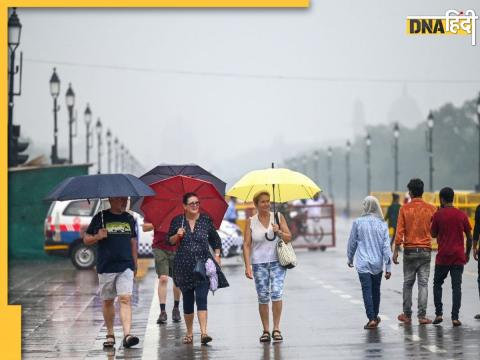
<point>269,278</point>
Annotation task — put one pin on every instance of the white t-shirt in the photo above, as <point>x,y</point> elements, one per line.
<point>263,250</point>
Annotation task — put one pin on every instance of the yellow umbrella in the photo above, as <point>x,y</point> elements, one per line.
<point>283,184</point>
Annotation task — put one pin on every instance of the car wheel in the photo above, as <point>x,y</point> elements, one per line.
<point>83,257</point>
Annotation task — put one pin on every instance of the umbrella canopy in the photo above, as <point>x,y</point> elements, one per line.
<point>282,184</point>
<point>99,186</point>
<point>167,203</point>
<point>162,172</point>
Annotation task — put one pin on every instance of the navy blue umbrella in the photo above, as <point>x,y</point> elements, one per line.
<point>162,172</point>
<point>98,187</point>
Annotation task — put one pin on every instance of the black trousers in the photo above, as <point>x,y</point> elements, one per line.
<point>441,273</point>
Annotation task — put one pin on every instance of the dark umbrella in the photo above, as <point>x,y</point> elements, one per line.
<point>162,172</point>
<point>98,187</point>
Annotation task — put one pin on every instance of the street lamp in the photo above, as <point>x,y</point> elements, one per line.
<point>316,158</point>
<point>430,125</point>
<point>478,126</point>
<point>347,164</point>
<point>396,135</point>
<point>70,100</point>
<point>115,145</point>
<point>304,164</point>
<point>55,91</point>
<point>122,158</point>
<point>98,127</point>
<point>88,120</point>
<point>14,145</point>
<point>329,168</point>
<point>368,144</point>
<point>109,151</point>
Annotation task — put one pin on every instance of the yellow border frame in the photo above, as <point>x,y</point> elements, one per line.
<point>10,316</point>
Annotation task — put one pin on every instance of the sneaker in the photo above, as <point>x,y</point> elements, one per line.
<point>162,318</point>
<point>176,315</point>
<point>456,323</point>
<point>407,320</point>
<point>424,321</point>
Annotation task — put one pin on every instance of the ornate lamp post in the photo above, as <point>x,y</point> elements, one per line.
<point>348,180</point>
<point>70,100</point>
<point>430,125</point>
<point>396,135</point>
<point>316,158</point>
<point>115,145</point>
<point>109,151</point>
<point>368,144</point>
<point>98,127</point>
<point>329,169</point>
<point>55,91</point>
<point>88,120</point>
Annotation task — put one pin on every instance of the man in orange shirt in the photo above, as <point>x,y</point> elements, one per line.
<point>413,232</point>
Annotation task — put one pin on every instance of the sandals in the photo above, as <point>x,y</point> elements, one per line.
<point>110,342</point>
<point>188,339</point>
<point>277,335</point>
<point>205,339</point>
<point>371,325</point>
<point>265,337</point>
<point>129,341</point>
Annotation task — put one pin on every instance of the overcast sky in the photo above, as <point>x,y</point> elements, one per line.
<point>235,89</point>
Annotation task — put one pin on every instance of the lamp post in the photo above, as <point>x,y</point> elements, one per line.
<point>88,120</point>
<point>316,158</point>
<point>329,169</point>
<point>70,100</point>
<point>109,151</point>
<point>304,164</point>
<point>14,32</point>
<point>430,124</point>
<point>347,164</point>
<point>122,158</point>
<point>478,126</point>
<point>396,135</point>
<point>98,127</point>
<point>55,91</point>
<point>115,145</point>
<point>368,144</point>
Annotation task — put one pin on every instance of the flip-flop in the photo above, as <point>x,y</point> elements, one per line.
<point>129,341</point>
<point>109,343</point>
<point>188,339</point>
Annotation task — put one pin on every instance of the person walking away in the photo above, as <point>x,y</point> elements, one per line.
<point>314,213</point>
<point>164,255</point>
<point>392,215</point>
<point>262,265</point>
<point>369,244</point>
<point>448,226</point>
<point>413,232</point>
<point>114,232</point>
<point>194,232</point>
<point>476,235</point>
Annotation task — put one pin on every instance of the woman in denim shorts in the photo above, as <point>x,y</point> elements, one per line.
<point>260,255</point>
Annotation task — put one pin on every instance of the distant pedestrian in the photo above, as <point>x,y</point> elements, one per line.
<point>369,244</point>
<point>114,232</point>
<point>194,232</point>
<point>164,255</point>
<point>448,226</point>
<point>262,265</point>
<point>413,232</point>
<point>476,250</point>
<point>231,214</point>
<point>392,215</point>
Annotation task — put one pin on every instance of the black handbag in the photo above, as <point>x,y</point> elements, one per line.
<point>199,273</point>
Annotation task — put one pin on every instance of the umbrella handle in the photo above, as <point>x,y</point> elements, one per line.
<point>274,237</point>
<point>277,220</point>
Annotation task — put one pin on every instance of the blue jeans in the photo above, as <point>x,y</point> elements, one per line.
<point>269,278</point>
<point>371,293</point>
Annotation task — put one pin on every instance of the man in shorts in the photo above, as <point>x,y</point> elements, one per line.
<point>164,254</point>
<point>114,232</point>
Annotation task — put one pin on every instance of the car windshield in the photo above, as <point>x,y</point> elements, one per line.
<point>80,208</point>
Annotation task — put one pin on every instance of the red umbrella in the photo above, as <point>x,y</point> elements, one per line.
<point>167,203</point>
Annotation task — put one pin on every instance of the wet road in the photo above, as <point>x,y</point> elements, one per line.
<point>323,316</point>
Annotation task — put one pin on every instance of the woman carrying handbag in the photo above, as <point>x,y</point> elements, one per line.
<point>262,264</point>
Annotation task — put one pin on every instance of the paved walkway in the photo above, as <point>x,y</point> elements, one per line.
<point>323,316</point>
